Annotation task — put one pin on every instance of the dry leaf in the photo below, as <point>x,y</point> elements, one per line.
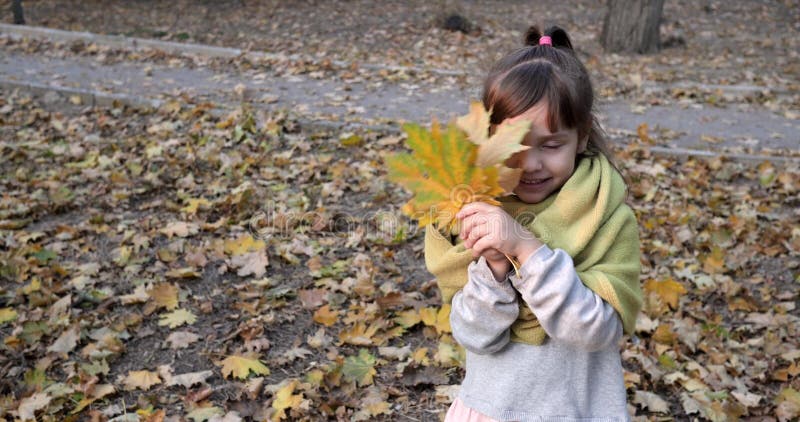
<point>241,366</point>
<point>141,379</point>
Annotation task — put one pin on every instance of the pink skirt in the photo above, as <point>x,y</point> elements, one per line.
<point>458,412</point>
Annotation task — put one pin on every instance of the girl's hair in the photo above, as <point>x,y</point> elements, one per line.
<point>552,72</point>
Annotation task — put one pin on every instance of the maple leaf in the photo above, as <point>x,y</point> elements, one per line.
<point>286,399</point>
<point>437,318</point>
<point>177,318</point>
<point>360,368</point>
<point>251,263</point>
<point>141,379</point>
<point>326,316</point>
<point>7,315</point>
<point>243,244</point>
<point>494,149</point>
<point>651,401</point>
<point>668,291</point>
<point>240,367</point>
<point>164,295</point>
<point>181,339</point>
<point>446,170</point>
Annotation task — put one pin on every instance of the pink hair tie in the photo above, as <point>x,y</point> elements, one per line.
<point>545,40</point>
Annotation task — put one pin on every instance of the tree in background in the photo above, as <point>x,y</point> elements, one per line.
<point>16,9</point>
<point>631,26</point>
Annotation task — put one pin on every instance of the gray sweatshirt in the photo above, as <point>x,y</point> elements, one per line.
<point>576,375</point>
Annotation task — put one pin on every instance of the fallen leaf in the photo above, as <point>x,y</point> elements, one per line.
<point>360,368</point>
<point>285,399</point>
<point>177,318</point>
<point>241,366</point>
<point>29,405</point>
<point>650,401</point>
<point>142,380</point>
<point>181,339</point>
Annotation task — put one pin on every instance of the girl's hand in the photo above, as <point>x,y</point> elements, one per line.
<point>485,227</point>
<point>498,263</point>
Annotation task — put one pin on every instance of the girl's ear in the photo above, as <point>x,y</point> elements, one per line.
<point>582,144</point>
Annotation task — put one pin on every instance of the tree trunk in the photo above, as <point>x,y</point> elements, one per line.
<point>631,26</point>
<point>16,9</point>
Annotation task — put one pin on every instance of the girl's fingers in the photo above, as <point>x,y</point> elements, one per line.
<point>477,233</point>
<point>469,223</point>
<point>481,245</point>
<point>472,208</point>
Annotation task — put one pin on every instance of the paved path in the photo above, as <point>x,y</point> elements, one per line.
<point>694,126</point>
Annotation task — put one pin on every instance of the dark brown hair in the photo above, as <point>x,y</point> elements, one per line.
<point>552,72</point>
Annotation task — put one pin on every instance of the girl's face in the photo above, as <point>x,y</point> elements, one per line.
<point>550,161</point>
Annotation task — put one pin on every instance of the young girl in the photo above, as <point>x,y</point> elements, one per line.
<point>543,345</point>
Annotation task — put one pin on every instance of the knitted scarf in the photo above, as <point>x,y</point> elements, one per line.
<point>588,219</point>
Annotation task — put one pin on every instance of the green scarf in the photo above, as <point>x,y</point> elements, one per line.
<point>588,219</point>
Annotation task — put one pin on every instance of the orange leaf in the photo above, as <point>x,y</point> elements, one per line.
<point>669,291</point>
<point>326,316</point>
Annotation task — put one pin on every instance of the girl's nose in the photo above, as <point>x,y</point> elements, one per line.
<point>531,162</point>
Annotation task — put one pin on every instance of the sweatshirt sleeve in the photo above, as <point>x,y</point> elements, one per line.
<point>566,309</point>
<point>483,310</point>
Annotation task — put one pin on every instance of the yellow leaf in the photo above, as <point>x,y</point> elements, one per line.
<point>240,367</point>
<point>669,291</point>
<point>326,316</point>
<point>643,135</point>
<point>359,334</point>
<point>185,272</point>
<point>285,399</point>
<point>177,318</point>
<point>141,379</point>
<point>243,244</point>
<point>7,314</point>
<point>408,319</point>
<point>475,123</point>
<point>503,144</point>
<point>164,295</point>
<point>715,261</point>
<point>437,318</point>
<point>194,203</point>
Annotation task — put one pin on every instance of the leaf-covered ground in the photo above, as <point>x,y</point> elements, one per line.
<point>176,264</point>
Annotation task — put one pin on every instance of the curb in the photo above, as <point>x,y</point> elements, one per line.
<point>104,99</point>
<point>120,41</point>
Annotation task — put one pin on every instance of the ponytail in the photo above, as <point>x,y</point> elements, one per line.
<point>558,37</point>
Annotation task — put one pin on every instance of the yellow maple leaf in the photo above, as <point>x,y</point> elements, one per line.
<point>141,379</point>
<point>408,319</point>
<point>240,366</point>
<point>456,166</point>
<point>7,314</point>
<point>177,318</point>
<point>437,318</point>
<point>496,148</point>
<point>669,291</point>
<point>243,244</point>
<point>326,316</point>
<point>164,295</point>
<point>286,399</point>
<point>194,204</point>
